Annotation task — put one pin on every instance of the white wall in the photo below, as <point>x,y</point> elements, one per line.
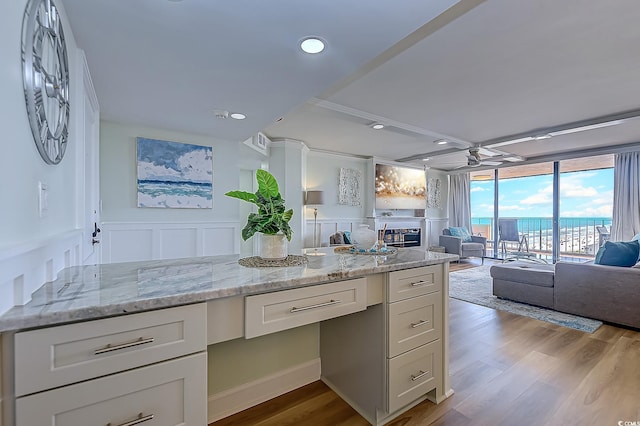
<point>33,248</point>
<point>21,167</point>
<point>133,233</point>
<point>118,176</point>
<point>442,212</point>
<point>437,218</point>
<point>323,171</point>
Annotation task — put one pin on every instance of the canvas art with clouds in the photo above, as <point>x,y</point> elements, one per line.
<point>174,175</point>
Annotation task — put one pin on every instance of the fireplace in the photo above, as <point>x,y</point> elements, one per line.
<point>403,237</point>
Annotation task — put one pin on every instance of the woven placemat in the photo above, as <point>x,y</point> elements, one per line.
<point>258,262</point>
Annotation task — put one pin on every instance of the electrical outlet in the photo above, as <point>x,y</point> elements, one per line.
<point>43,198</point>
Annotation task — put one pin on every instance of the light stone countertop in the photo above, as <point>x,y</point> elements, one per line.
<point>96,291</point>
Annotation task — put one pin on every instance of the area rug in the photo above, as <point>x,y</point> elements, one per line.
<point>474,285</point>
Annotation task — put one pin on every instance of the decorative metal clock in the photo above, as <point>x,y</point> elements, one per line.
<point>45,69</point>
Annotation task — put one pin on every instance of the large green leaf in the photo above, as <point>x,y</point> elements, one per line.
<point>267,184</point>
<point>242,195</point>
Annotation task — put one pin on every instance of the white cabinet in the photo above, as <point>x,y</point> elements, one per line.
<point>281,310</point>
<point>57,356</point>
<point>131,369</point>
<point>414,328</point>
<point>390,357</point>
<point>170,393</point>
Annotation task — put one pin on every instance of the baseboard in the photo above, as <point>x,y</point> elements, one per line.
<point>232,401</point>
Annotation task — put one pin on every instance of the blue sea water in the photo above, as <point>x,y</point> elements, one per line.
<point>175,190</point>
<point>534,224</point>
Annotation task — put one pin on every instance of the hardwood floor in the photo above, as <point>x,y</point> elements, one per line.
<point>505,370</point>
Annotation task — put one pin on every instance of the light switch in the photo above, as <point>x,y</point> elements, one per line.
<point>43,198</point>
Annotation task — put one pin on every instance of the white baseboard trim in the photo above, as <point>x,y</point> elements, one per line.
<point>232,401</point>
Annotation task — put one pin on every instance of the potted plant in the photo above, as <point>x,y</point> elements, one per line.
<point>272,218</point>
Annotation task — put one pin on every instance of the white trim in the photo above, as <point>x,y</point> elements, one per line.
<point>26,267</point>
<point>232,401</point>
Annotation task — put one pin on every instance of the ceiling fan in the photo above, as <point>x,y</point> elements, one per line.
<point>474,159</point>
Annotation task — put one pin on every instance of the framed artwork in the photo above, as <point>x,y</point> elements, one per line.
<point>434,193</point>
<point>398,187</point>
<point>349,187</point>
<point>174,175</point>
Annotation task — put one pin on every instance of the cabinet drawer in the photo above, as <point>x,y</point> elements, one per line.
<point>281,310</point>
<point>414,322</point>
<point>57,356</point>
<point>414,282</point>
<point>413,374</point>
<point>173,392</point>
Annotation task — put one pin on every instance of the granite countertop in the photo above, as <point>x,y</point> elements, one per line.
<point>96,291</point>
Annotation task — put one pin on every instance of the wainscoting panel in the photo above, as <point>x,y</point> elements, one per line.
<point>326,227</point>
<point>26,267</point>
<point>177,243</point>
<point>126,242</point>
<point>215,241</point>
<point>434,230</point>
<point>126,245</point>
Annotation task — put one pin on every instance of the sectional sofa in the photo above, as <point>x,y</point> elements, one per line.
<point>606,293</point>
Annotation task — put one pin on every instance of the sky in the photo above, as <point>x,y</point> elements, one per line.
<point>582,194</point>
<point>173,161</point>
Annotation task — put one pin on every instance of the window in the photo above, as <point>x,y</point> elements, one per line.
<point>526,194</point>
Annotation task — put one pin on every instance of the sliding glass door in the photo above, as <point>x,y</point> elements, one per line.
<point>523,200</point>
<point>586,206</point>
<point>482,206</point>
<point>525,211</point>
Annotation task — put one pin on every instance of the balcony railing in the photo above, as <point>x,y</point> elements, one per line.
<point>579,236</point>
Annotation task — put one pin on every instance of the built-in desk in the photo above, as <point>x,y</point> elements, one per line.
<point>127,343</point>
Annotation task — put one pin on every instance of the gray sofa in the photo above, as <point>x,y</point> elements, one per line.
<point>607,293</point>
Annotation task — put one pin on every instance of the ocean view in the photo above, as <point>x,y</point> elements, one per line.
<point>531,224</point>
<point>174,194</point>
<point>578,235</point>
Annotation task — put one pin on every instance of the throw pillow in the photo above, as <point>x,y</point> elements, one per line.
<point>460,231</point>
<point>347,237</point>
<point>620,253</point>
<point>637,238</point>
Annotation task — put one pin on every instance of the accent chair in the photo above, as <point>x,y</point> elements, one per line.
<point>477,247</point>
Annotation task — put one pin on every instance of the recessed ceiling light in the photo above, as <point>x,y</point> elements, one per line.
<point>312,45</point>
<point>426,159</point>
<point>377,126</point>
<point>238,116</point>
<point>440,142</point>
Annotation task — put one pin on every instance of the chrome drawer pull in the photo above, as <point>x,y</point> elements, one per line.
<point>422,374</point>
<point>137,421</point>
<point>109,348</point>
<point>419,323</point>
<point>418,283</point>
<point>319,305</point>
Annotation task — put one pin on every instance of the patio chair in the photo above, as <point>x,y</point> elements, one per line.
<point>603,235</point>
<point>508,233</point>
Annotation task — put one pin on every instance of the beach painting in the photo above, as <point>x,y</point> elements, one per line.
<point>174,175</point>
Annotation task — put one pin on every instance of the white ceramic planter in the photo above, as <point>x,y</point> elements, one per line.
<point>273,247</point>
